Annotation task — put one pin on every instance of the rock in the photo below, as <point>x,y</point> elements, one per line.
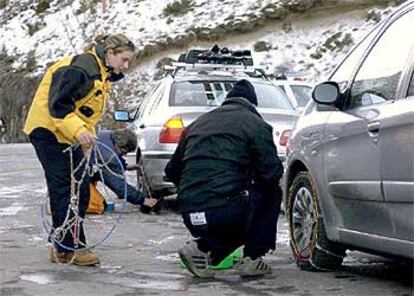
<point>260,46</point>
<point>16,94</point>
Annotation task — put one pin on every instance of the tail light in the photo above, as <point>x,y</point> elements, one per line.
<point>285,137</point>
<point>171,131</point>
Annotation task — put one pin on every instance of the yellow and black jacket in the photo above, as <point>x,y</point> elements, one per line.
<point>71,97</point>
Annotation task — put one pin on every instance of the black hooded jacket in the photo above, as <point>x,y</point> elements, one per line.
<point>223,152</point>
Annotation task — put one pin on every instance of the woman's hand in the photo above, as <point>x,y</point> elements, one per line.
<point>86,139</point>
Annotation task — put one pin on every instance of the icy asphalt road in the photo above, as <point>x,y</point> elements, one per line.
<point>140,256</point>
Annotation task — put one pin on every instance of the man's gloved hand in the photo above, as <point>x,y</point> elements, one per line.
<point>156,208</point>
<point>150,202</point>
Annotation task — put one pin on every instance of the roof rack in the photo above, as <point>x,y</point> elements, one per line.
<point>249,70</point>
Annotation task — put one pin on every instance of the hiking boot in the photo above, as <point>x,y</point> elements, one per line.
<point>250,268</point>
<point>60,257</point>
<point>85,258</point>
<point>196,261</point>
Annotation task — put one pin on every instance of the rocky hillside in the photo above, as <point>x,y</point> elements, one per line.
<point>302,36</point>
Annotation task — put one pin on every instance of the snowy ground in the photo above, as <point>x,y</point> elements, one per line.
<point>140,257</point>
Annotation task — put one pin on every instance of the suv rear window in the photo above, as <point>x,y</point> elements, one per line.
<point>213,93</point>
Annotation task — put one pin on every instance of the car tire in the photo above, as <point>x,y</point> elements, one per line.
<point>310,246</point>
<point>142,186</point>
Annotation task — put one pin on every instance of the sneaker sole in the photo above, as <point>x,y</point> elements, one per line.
<point>187,263</point>
<point>190,266</point>
<point>247,276</point>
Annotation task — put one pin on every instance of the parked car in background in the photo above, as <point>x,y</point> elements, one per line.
<point>350,168</point>
<point>189,89</point>
<point>298,91</point>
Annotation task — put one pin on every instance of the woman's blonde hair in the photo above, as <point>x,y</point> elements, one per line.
<point>117,42</point>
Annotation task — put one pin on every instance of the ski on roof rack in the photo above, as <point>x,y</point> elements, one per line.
<point>216,59</point>
<point>217,55</point>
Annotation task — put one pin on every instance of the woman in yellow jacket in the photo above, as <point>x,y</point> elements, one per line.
<point>68,104</point>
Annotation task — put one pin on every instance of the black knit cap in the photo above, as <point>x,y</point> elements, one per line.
<point>244,89</point>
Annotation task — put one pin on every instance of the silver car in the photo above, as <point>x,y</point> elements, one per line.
<point>350,168</point>
<point>177,100</point>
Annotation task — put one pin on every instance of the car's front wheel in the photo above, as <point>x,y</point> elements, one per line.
<point>310,246</point>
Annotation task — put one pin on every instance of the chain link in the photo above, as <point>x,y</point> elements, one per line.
<point>91,166</point>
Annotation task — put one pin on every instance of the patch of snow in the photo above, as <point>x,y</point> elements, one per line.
<point>36,239</point>
<point>13,192</point>
<point>161,242</point>
<point>11,210</point>
<point>15,226</point>
<point>41,279</point>
<point>173,257</point>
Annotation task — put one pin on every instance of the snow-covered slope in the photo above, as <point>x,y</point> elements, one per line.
<point>64,27</point>
<point>303,36</point>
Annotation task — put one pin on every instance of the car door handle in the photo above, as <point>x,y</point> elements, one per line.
<point>373,128</point>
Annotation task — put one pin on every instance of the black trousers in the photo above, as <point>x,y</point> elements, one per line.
<point>56,166</point>
<point>250,221</point>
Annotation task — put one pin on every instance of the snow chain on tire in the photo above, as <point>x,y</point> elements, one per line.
<point>324,254</point>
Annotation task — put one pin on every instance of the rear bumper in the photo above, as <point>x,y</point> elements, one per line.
<point>154,163</point>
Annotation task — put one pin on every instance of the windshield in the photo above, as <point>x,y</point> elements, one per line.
<point>213,93</point>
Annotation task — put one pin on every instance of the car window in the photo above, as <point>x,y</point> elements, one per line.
<point>411,87</point>
<point>213,93</point>
<point>199,93</point>
<point>156,98</point>
<point>148,101</point>
<point>270,96</point>
<point>377,79</point>
<point>282,88</point>
<point>302,93</point>
<point>348,65</point>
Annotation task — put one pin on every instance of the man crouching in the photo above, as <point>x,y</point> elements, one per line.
<point>227,173</point>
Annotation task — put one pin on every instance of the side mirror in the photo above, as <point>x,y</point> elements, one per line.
<point>122,116</point>
<point>326,93</point>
